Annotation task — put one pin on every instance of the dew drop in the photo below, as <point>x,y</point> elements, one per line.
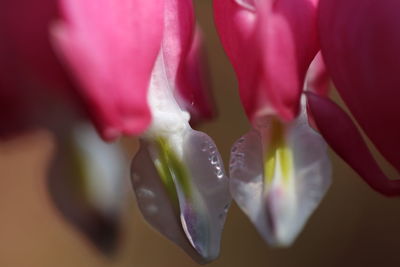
<point>219,173</point>
<point>222,215</point>
<point>205,146</point>
<point>145,193</point>
<point>213,159</point>
<point>152,209</point>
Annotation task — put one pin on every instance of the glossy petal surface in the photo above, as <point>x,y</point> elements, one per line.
<point>360,44</point>
<point>280,187</point>
<point>110,47</point>
<point>185,198</point>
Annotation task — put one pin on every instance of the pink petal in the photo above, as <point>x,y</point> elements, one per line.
<point>317,81</point>
<point>360,44</point>
<point>110,47</point>
<point>178,34</point>
<point>182,51</point>
<point>279,41</point>
<point>194,84</point>
<point>346,141</point>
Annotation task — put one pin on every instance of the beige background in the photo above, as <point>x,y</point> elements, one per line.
<point>354,226</point>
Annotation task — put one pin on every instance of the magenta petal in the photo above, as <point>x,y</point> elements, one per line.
<point>182,51</point>
<point>178,34</point>
<point>348,143</point>
<point>279,41</point>
<point>111,49</point>
<point>236,26</point>
<point>194,84</point>
<point>360,44</point>
<point>288,38</point>
<point>25,43</point>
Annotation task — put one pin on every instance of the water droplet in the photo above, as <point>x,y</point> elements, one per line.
<point>214,159</point>
<point>219,173</point>
<point>152,209</point>
<point>145,193</point>
<point>222,215</point>
<point>205,146</point>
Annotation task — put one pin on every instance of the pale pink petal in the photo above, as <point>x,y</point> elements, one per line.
<point>344,138</point>
<point>318,79</point>
<point>110,47</point>
<point>360,44</point>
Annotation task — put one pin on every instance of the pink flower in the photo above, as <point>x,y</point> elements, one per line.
<point>279,170</point>
<point>176,167</point>
<point>359,43</point>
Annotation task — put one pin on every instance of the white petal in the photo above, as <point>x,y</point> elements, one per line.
<point>104,164</point>
<point>280,206</point>
<point>191,208</point>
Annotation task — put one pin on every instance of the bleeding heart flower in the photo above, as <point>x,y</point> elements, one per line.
<point>130,87</point>
<point>178,175</point>
<point>279,170</point>
<point>35,91</point>
<point>359,43</point>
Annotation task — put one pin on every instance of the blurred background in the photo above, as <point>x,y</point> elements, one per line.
<point>354,226</point>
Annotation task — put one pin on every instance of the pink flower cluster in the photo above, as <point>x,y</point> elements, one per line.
<point>100,60</point>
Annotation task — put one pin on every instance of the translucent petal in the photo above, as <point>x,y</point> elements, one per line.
<point>184,197</point>
<point>280,205</point>
<point>86,183</point>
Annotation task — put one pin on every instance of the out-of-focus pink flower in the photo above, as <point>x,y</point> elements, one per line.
<point>359,43</point>
<point>270,44</point>
<point>111,47</point>
<point>28,67</point>
<point>108,50</point>
<point>115,44</point>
